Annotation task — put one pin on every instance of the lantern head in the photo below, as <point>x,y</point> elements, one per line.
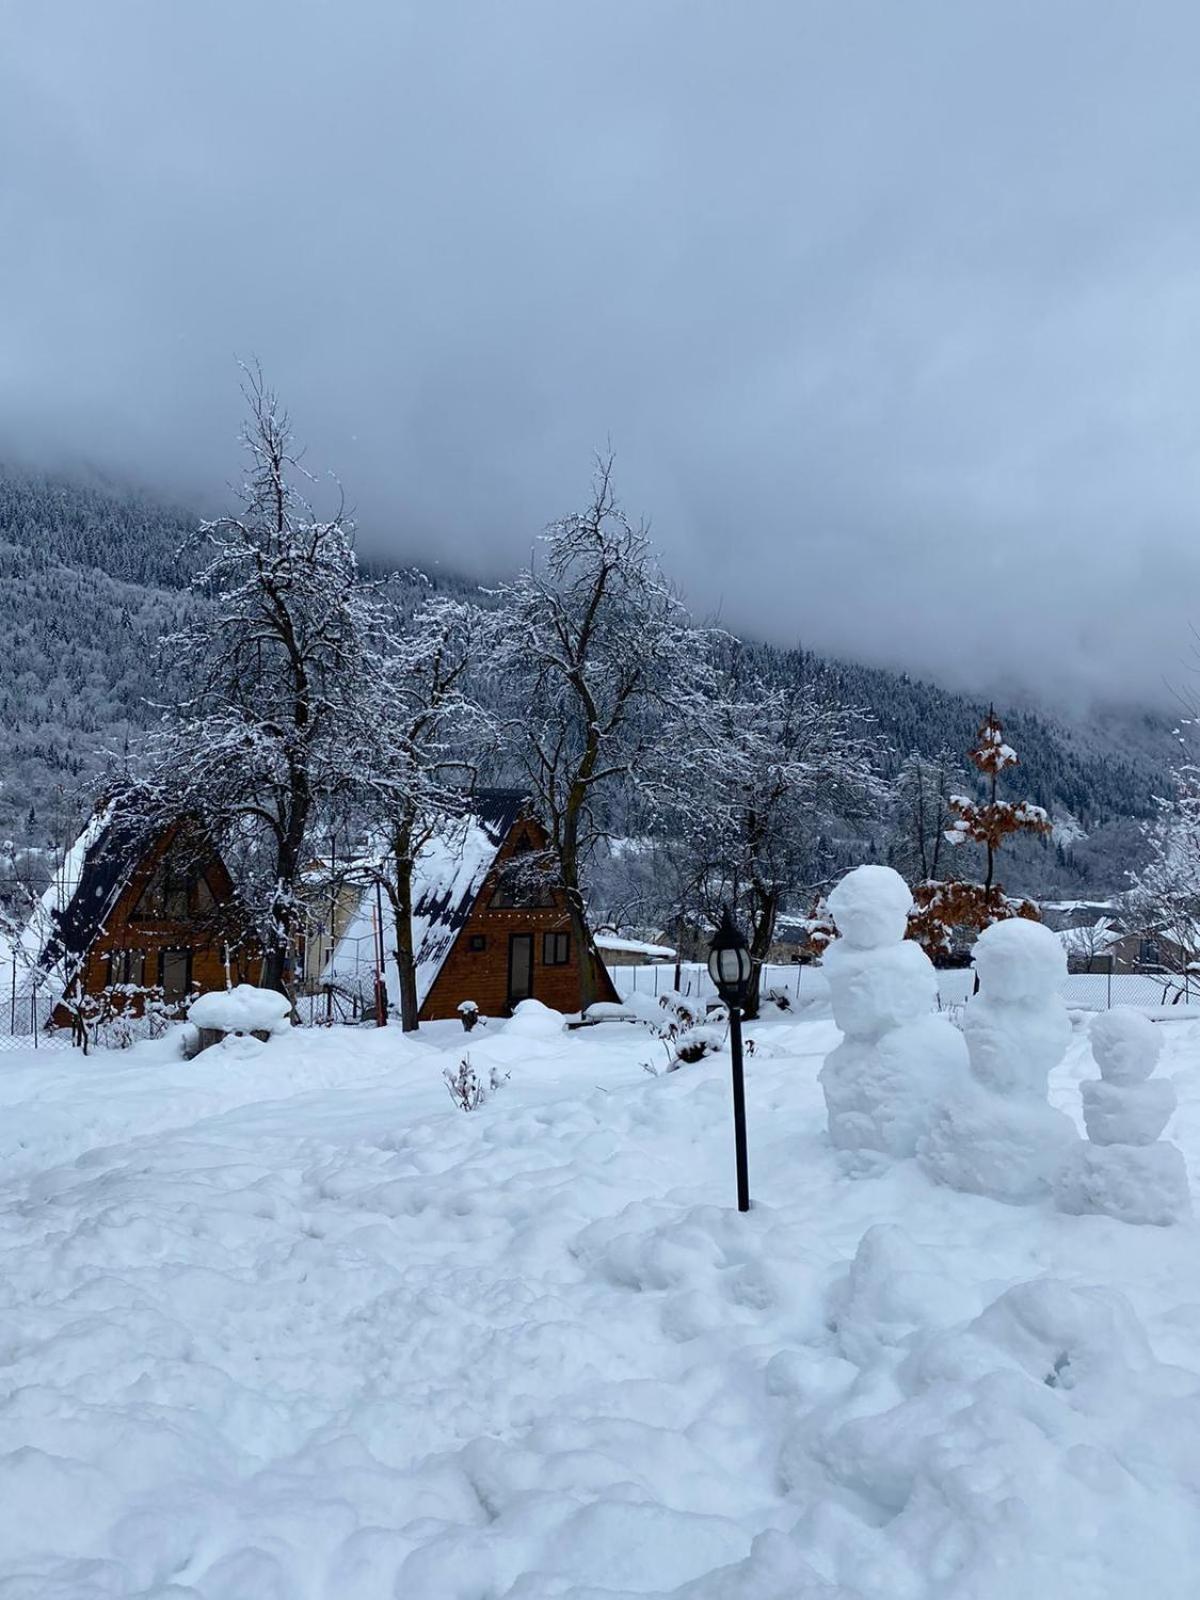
<point>729,964</point>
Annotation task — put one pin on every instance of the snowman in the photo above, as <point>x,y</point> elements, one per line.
<point>998,1135</point>
<point>897,1059</point>
<point>1125,1170</point>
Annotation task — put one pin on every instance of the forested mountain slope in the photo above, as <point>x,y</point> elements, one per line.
<point>90,580</point>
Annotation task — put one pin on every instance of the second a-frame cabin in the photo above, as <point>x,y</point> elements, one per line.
<point>484,929</point>
<point>136,910</point>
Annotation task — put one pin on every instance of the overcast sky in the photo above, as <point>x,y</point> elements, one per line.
<point>891,311</point>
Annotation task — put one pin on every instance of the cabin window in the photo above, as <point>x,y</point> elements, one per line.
<point>521,887</point>
<point>522,882</point>
<point>477,941</point>
<point>127,966</point>
<point>1149,954</point>
<point>556,949</point>
<point>175,891</point>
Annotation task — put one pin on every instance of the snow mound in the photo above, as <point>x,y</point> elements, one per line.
<point>534,1020</point>
<point>870,907</point>
<point>1126,1045</point>
<point>1019,960</point>
<point>243,1009</point>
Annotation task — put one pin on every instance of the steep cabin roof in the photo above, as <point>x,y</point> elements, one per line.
<point>88,885</point>
<point>449,873</point>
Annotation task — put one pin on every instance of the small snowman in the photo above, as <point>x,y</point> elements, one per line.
<point>896,1059</point>
<point>999,1135</point>
<point>1125,1170</point>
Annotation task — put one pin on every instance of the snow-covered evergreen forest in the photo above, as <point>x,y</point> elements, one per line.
<point>92,578</point>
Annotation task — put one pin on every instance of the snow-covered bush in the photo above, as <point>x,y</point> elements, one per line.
<point>467,1088</point>
<point>122,1015</point>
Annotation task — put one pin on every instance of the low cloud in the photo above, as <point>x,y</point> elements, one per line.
<point>890,313</point>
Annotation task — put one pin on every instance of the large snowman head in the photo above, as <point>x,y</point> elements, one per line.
<point>870,907</point>
<point>1019,960</point>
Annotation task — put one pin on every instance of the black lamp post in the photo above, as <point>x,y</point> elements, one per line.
<point>729,966</point>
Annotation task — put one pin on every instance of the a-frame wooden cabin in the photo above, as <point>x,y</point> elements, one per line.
<point>483,929</point>
<point>134,910</point>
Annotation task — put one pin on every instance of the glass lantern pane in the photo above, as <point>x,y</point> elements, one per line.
<point>731,967</point>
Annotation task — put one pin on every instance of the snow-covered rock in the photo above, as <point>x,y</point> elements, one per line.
<point>896,1060</point>
<point>242,1009</point>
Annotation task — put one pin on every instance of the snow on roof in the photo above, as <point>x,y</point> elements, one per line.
<point>82,891</point>
<point>634,947</point>
<point>1093,939</point>
<point>448,874</point>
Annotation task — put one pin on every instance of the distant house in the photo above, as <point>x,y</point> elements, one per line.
<point>484,929</point>
<point>620,952</point>
<point>1104,936</point>
<point>132,911</point>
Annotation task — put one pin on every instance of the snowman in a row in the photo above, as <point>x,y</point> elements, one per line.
<point>972,1105</point>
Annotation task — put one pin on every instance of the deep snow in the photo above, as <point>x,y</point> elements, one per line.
<point>289,1325</point>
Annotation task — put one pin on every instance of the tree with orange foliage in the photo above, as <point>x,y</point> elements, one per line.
<point>940,906</point>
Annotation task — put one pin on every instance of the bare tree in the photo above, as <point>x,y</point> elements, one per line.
<point>769,772</point>
<point>274,651</point>
<point>416,727</point>
<point>588,645</point>
<point>1164,900</point>
<point>922,813</point>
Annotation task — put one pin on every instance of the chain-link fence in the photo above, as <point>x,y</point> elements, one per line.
<point>25,1012</point>
<point>805,986</point>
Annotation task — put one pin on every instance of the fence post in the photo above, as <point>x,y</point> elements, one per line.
<point>1111,959</point>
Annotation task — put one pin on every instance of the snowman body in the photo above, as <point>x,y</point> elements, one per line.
<point>999,1136</point>
<point>897,1058</point>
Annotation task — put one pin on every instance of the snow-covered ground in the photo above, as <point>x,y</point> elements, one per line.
<point>285,1324</point>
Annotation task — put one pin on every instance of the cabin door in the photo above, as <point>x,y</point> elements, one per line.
<point>175,975</point>
<point>520,968</point>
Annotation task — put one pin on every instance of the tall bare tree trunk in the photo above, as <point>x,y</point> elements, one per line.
<point>405,955</point>
<point>762,936</point>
